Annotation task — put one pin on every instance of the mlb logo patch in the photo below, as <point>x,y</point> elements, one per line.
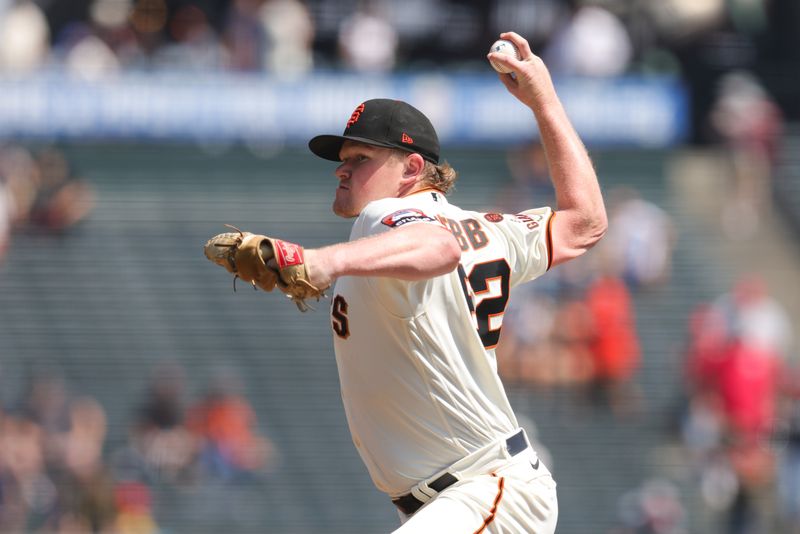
<point>399,218</point>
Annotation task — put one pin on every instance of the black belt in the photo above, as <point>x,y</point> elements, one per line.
<point>408,504</point>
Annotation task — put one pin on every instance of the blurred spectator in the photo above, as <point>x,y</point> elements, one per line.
<point>738,375</point>
<point>164,405</point>
<point>756,317</point>
<point>40,193</point>
<point>28,497</point>
<point>752,510</point>
<point>593,42</point>
<point>231,446</point>
<point>62,199</point>
<point>24,38</point>
<point>748,384</point>
<point>194,46</point>
<point>750,124</point>
<point>680,20</point>
<point>86,489</point>
<point>111,22</point>
<point>243,36</point>
<point>737,353</point>
<point>134,502</point>
<point>530,180</point>
<point>614,346</point>
<point>160,442</point>
<point>718,485</point>
<point>83,443</point>
<point>703,426</point>
<point>550,341</point>
<point>525,350</point>
<point>708,333</point>
<point>655,507</point>
<point>535,19</point>
<point>572,356</point>
<point>19,171</point>
<point>88,57</point>
<point>46,402</point>
<point>367,40</point>
<point>289,30</point>
<point>546,342</point>
<point>640,239</point>
<point>110,14</point>
<point>149,18</point>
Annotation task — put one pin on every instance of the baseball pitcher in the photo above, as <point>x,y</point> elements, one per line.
<point>417,301</point>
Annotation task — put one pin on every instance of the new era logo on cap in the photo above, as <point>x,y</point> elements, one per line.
<point>383,122</point>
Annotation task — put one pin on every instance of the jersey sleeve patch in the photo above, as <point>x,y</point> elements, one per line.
<point>405,216</point>
<point>531,221</point>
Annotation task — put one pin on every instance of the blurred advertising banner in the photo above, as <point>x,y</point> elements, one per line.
<point>466,109</point>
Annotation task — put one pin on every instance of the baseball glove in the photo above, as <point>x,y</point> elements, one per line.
<point>264,262</point>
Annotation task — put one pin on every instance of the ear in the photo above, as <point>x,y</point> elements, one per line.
<point>413,165</point>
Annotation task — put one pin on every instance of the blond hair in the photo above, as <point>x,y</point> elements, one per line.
<point>442,176</point>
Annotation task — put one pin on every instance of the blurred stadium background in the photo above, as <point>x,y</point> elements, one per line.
<point>139,393</point>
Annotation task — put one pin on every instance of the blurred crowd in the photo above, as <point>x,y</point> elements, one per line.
<point>39,192</point>
<point>748,125</point>
<point>695,42</point>
<point>574,333</point>
<point>290,37</point>
<point>57,474</point>
<point>727,52</point>
<point>576,327</point>
<point>739,423</point>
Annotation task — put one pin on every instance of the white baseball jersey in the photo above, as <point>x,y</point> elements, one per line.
<point>416,359</point>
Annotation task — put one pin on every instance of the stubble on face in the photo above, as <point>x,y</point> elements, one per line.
<point>341,206</point>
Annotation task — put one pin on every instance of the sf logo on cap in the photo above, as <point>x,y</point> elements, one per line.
<point>355,116</point>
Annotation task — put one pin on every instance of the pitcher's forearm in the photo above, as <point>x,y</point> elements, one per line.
<point>415,252</point>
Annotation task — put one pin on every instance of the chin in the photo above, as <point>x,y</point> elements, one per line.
<point>344,211</point>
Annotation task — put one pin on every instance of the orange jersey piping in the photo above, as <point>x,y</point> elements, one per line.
<point>493,512</point>
<point>549,240</point>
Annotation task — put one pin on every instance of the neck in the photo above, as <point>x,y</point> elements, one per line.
<point>416,187</point>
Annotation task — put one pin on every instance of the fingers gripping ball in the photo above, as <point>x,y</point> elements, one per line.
<point>504,46</point>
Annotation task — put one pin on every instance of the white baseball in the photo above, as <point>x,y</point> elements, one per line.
<point>503,46</point>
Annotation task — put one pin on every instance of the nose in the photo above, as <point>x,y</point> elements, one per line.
<point>342,172</point>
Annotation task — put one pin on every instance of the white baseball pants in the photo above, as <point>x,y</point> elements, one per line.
<point>518,497</point>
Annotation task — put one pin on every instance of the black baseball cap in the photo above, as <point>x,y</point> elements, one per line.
<point>383,122</point>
